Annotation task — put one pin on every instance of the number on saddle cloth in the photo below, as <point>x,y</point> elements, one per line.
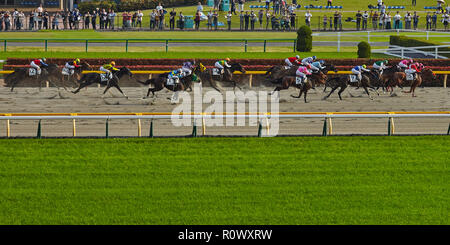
<point>66,71</point>
<point>353,78</point>
<point>216,72</point>
<point>410,76</point>
<point>105,78</point>
<point>170,81</point>
<point>32,72</point>
<point>298,80</point>
<point>286,67</point>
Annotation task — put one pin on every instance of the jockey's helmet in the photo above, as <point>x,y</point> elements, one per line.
<point>113,63</point>
<point>44,59</point>
<point>77,61</point>
<point>385,61</point>
<point>227,59</point>
<point>322,62</point>
<point>297,56</point>
<point>411,61</point>
<point>314,57</point>
<point>364,66</point>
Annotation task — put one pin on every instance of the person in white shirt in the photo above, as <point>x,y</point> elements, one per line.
<point>159,8</point>
<point>445,20</point>
<point>397,19</point>
<point>200,7</point>
<point>308,16</point>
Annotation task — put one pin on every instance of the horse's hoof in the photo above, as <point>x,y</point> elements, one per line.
<point>324,98</point>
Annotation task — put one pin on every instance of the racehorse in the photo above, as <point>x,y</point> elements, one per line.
<point>342,82</point>
<point>425,74</point>
<point>227,76</point>
<point>22,74</point>
<point>288,81</point>
<point>91,78</point>
<point>77,73</point>
<point>160,82</point>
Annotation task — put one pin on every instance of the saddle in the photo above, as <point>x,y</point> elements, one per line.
<point>216,72</point>
<point>105,78</point>
<point>67,72</point>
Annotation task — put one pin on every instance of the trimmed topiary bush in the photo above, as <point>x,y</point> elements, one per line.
<point>364,50</point>
<point>304,39</point>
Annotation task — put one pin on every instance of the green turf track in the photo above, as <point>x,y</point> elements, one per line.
<point>302,180</point>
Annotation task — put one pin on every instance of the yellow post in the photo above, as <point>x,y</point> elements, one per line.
<point>267,126</point>
<point>445,80</point>
<point>139,128</point>
<point>7,129</point>
<point>74,126</point>
<point>203,124</point>
<point>250,80</point>
<point>330,124</point>
<point>47,84</point>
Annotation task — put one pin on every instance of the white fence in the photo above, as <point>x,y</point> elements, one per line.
<point>411,52</point>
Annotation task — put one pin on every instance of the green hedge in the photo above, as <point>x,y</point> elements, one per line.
<point>304,39</point>
<point>134,5</point>
<point>405,41</point>
<point>364,50</point>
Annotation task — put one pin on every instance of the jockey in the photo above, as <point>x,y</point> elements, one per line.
<point>317,66</point>
<point>72,65</point>
<point>358,69</point>
<point>302,71</point>
<point>175,75</point>
<point>221,64</point>
<point>308,60</point>
<point>187,68</point>
<point>108,68</point>
<point>380,65</point>
<point>414,68</point>
<point>37,63</point>
<point>405,63</point>
<point>289,61</point>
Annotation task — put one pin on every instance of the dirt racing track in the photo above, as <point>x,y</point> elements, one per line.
<point>52,100</point>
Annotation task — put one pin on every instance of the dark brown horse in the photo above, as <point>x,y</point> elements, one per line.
<point>343,82</point>
<point>22,75</point>
<point>425,74</point>
<point>77,74</point>
<point>289,81</point>
<point>227,75</point>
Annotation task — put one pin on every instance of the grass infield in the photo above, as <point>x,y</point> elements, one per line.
<point>301,180</point>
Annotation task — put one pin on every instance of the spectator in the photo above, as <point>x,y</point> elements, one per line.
<point>335,20</point>
<point>413,3</point>
<point>87,20</point>
<point>161,19</point>
<point>260,18</point>
<point>104,19</point>
<point>375,20</point>
<point>325,21</point>
<point>365,16</point>
<point>215,19</point>
<point>210,20</point>
<point>252,20</point>
<point>415,20</point>
<point>388,19</point>
<point>139,18</point>
<point>445,20</point>
<point>408,19</point>
<point>246,19</point>
<point>379,4</point>
<point>358,20</point>
<point>241,5</point>
<point>340,21</point>
<point>329,3</point>
<point>200,7</point>
<point>381,21</point>
<point>94,19</point>
<point>7,20</point>
<point>197,20</point>
<point>153,20</point>
<point>267,19</point>
<point>434,19</point>
<point>45,20</point>
<point>397,19</point>
<point>383,8</point>
<point>133,19</point>
<point>293,15</point>
<point>160,8</point>
<point>267,4</point>
<point>228,17</point>
<point>15,19</point>
<point>428,18</point>
<point>276,7</point>
<point>21,20</point>
<point>448,9</point>
<point>241,21</point>
<point>233,6</point>
<point>172,19</point>
<point>111,18</point>
<point>181,20</point>
<point>308,16</point>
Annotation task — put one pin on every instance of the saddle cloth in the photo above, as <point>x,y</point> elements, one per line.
<point>410,76</point>
<point>67,71</point>
<point>298,80</point>
<point>286,67</point>
<point>170,82</point>
<point>32,72</point>
<point>104,78</point>
<point>215,71</point>
<point>353,78</point>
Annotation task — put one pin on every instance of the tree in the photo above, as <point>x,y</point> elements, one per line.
<point>304,39</point>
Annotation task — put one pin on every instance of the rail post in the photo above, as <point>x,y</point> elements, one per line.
<point>250,80</point>
<point>265,44</point>
<point>139,128</point>
<point>74,126</point>
<point>8,129</point>
<point>339,42</point>
<point>126,46</point>
<point>325,127</point>
<point>259,129</point>
<point>4,46</point>
<point>428,35</point>
<point>203,125</point>
<point>107,128</point>
<point>436,52</point>
<point>267,126</point>
<point>87,45</point>
<point>245,45</point>
<point>194,130</point>
<point>445,80</point>
<point>46,45</point>
<point>293,46</point>
<point>151,129</point>
<point>391,126</point>
<point>167,45</point>
<point>403,53</point>
<point>448,130</point>
<point>39,130</point>
<point>368,36</point>
<point>330,124</point>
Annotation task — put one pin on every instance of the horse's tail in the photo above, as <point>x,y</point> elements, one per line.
<point>149,81</point>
